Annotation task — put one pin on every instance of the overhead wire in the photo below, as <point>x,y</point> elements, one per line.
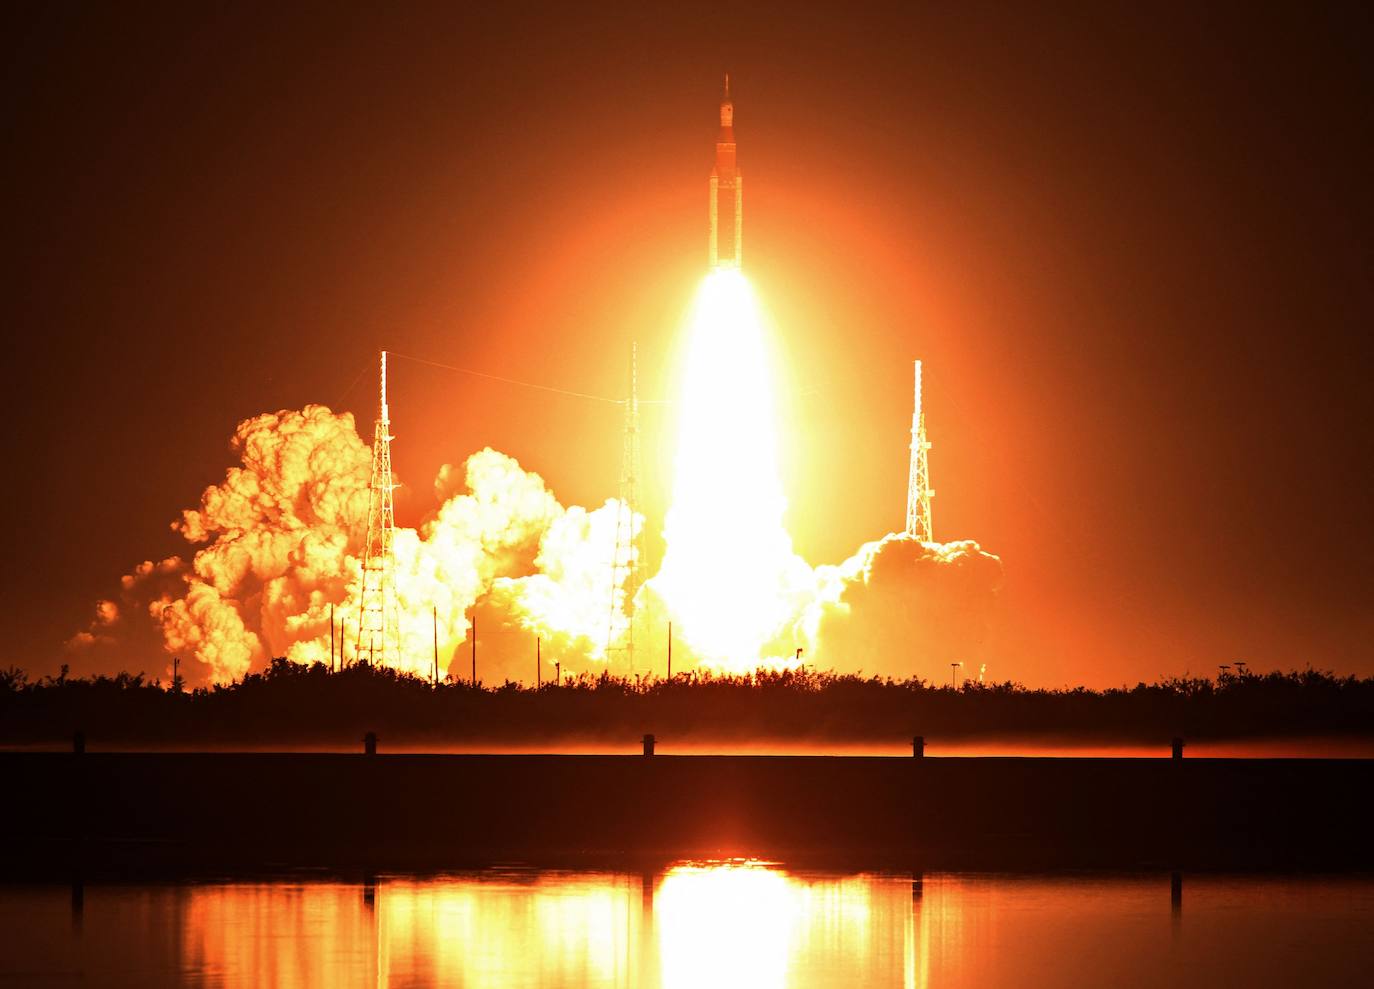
<point>509,381</point>
<point>356,378</point>
<point>523,384</point>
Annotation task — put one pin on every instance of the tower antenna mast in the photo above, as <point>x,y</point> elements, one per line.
<point>918,490</point>
<point>379,619</point>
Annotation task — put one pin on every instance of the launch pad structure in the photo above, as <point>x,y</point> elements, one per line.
<point>379,626</point>
<point>918,490</point>
<point>627,561</point>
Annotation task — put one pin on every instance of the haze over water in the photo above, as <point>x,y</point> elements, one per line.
<point>717,924</point>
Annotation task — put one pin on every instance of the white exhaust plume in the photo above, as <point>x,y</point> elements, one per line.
<point>737,593</point>
<point>730,580</point>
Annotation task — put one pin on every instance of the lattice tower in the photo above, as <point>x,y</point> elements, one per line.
<point>379,627</point>
<point>918,490</point>
<point>628,559</point>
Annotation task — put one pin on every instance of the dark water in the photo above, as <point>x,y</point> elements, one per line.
<point>715,925</point>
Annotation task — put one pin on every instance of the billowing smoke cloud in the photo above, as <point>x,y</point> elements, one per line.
<point>279,541</point>
<point>571,600</point>
<point>276,537</point>
<point>897,607</point>
<point>900,607</point>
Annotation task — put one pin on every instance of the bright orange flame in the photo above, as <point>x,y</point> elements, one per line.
<point>729,577</point>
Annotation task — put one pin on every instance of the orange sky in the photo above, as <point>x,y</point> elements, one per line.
<point>1133,253</point>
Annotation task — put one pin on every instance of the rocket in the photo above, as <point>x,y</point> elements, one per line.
<point>727,193</point>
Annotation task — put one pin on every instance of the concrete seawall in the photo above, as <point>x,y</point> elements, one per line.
<point>130,812</point>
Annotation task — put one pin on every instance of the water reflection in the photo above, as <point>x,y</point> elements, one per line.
<point>747,925</point>
<point>722,925</point>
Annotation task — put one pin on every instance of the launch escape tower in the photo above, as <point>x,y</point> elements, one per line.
<point>628,558</point>
<point>918,491</point>
<point>727,193</point>
<point>379,624</point>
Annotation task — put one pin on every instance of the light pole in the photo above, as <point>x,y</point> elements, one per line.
<point>176,661</point>
<point>954,672</point>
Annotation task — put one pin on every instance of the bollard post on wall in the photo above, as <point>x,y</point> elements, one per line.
<point>648,744</point>
<point>370,743</point>
<point>918,747</point>
<point>1178,748</point>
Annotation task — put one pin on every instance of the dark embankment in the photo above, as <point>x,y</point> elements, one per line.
<point>135,814</point>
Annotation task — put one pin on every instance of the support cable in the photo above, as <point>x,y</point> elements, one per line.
<point>510,381</point>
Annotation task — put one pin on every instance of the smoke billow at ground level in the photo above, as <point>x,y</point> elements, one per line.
<point>275,554</point>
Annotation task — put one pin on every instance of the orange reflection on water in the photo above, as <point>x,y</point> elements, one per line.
<point>719,924</point>
<point>744,913</point>
<point>736,924</point>
<point>269,935</point>
<point>510,929</point>
<point>747,924</point>
<point>726,924</point>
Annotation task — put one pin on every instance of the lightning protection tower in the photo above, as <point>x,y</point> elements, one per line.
<point>918,490</point>
<point>379,626</point>
<point>628,560</point>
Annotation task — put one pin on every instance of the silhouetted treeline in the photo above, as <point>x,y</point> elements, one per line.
<point>297,704</point>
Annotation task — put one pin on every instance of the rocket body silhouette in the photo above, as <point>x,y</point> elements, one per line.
<point>727,193</point>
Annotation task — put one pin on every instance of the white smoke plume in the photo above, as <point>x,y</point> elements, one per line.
<point>571,600</point>
<point>279,540</point>
<point>899,607</point>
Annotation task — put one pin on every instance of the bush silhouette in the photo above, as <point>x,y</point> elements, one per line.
<point>294,704</point>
